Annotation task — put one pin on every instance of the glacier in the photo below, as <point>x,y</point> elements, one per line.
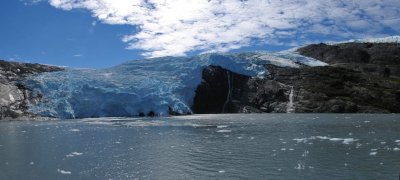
<point>156,85</point>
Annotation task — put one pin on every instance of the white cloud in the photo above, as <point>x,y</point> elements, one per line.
<point>30,2</point>
<point>176,27</point>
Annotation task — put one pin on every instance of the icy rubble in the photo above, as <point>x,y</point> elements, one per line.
<point>143,86</point>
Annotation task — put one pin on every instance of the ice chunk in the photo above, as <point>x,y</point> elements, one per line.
<point>73,154</point>
<point>64,172</point>
<point>349,140</point>
<point>301,140</point>
<point>300,166</point>
<point>222,126</point>
<point>343,140</point>
<point>224,131</point>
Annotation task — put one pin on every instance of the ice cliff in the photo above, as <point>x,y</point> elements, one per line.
<point>158,86</point>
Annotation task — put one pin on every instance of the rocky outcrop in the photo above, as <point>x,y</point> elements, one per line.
<point>220,91</point>
<point>372,58</point>
<point>361,78</point>
<point>14,97</point>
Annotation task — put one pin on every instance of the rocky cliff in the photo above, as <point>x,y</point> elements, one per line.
<point>15,97</point>
<point>361,78</point>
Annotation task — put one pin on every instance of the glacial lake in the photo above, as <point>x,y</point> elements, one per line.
<point>243,146</point>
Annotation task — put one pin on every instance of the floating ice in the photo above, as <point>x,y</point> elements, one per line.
<point>373,153</point>
<point>349,140</point>
<point>300,166</point>
<point>73,154</point>
<point>224,131</point>
<point>74,130</point>
<point>301,140</point>
<point>396,149</point>
<point>305,153</point>
<point>343,140</point>
<point>222,126</point>
<point>63,171</point>
<point>145,86</point>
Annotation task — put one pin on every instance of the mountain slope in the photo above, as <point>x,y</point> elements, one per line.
<point>159,86</point>
<point>341,78</point>
<point>15,98</point>
<point>360,78</point>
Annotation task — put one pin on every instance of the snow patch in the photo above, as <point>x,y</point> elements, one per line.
<point>390,39</point>
<point>11,97</point>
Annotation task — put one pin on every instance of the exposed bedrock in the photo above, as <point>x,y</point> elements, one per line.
<point>373,58</point>
<point>14,97</point>
<point>326,89</point>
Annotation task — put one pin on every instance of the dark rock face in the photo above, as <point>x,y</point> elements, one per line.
<point>14,97</point>
<point>218,90</point>
<point>223,91</point>
<point>339,90</point>
<point>373,58</point>
<point>361,78</point>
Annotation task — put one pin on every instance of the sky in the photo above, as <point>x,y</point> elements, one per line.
<point>104,33</point>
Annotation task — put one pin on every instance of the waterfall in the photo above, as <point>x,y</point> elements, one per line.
<point>290,106</point>
<point>228,97</point>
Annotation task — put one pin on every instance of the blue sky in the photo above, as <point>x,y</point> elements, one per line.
<point>103,33</point>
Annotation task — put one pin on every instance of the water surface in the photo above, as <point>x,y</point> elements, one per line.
<point>257,146</point>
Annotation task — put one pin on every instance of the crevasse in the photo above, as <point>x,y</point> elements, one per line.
<point>142,86</point>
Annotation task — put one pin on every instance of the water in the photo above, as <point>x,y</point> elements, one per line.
<point>259,146</point>
<point>290,106</point>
